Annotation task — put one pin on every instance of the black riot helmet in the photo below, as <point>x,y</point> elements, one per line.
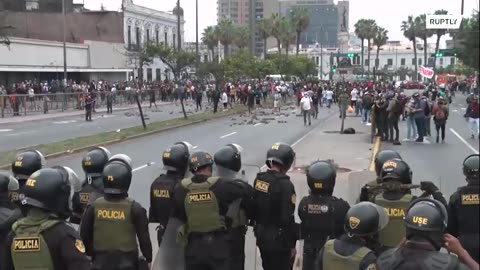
<point>176,157</point>
<point>282,154</point>
<point>26,163</point>
<point>52,189</point>
<point>383,156</point>
<point>427,218</point>
<point>321,176</point>
<point>94,161</point>
<point>365,219</point>
<point>200,159</point>
<point>117,175</point>
<point>471,166</point>
<point>396,170</point>
<point>229,157</point>
<point>7,182</point>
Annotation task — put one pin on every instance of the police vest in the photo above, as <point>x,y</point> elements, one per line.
<point>319,221</point>
<point>267,195</point>
<point>113,228</point>
<point>333,260</point>
<point>239,218</point>
<point>161,198</point>
<point>467,208</point>
<point>29,249</point>
<point>201,206</point>
<point>395,230</point>
<point>432,260</point>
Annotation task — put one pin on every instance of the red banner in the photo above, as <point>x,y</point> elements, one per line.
<point>426,72</point>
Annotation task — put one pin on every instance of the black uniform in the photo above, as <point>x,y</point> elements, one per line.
<point>216,97</point>
<point>8,215</point>
<point>88,108</point>
<point>208,250</point>
<point>110,102</point>
<point>81,200</point>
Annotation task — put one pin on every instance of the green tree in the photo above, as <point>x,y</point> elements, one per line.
<point>209,38</point>
<point>260,69</point>
<point>237,65</point>
<point>423,33</point>
<point>288,33</point>
<point>225,33</point>
<point>300,20</point>
<point>371,26</point>
<point>469,38</point>
<point>265,30</point>
<point>302,67</point>
<point>361,31</point>
<point>408,28</point>
<point>4,27</point>
<point>241,37</point>
<point>276,30</point>
<point>439,33</point>
<point>380,39</point>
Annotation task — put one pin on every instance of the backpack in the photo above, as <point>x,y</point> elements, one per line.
<point>440,114</point>
<point>397,107</point>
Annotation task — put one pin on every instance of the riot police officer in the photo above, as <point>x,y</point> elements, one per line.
<point>8,212</point>
<point>92,165</point>
<point>24,164</point>
<point>43,239</point>
<point>228,163</point>
<point>111,225</point>
<point>175,162</point>
<point>396,198</point>
<point>320,212</point>
<point>201,203</point>
<point>368,192</point>
<point>426,222</point>
<point>355,249</point>
<point>463,208</point>
<point>275,200</point>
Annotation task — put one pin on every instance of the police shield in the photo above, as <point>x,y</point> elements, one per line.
<point>12,181</point>
<point>171,254</point>
<point>189,146</point>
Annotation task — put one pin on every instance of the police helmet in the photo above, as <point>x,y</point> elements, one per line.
<point>94,161</point>
<point>365,219</point>
<point>383,156</point>
<point>427,218</point>
<point>7,182</point>
<point>471,166</point>
<point>200,159</point>
<point>396,170</point>
<point>117,174</point>
<point>175,158</point>
<point>282,154</point>
<point>321,176</point>
<point>229,157</point>
<point>26,163</point>
<point>52,189</point>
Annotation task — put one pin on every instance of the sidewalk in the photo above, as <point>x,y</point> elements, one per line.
<point>54,114</point>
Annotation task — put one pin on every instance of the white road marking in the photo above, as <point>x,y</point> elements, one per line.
<point>65,122</point>
<point>455,110</point>
<point>463,108</point>
<point>5,130</point>
<point>20,133</point>
<point>195,147</point>
<point>143,166</point>
<point>228,135</point>
<point>257,124</point>
<point>464,141</point>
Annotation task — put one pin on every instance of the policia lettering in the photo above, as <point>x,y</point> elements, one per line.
<point>161,193</point>
<point>395,230</point>
<point>470,199</point>
<point>26,244</point>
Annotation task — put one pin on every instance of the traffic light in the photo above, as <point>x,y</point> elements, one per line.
<point>351,55</point>
<point>334,69</point>
<point>439,54</point>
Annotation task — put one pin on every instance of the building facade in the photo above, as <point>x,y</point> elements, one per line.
<point>36,5</point>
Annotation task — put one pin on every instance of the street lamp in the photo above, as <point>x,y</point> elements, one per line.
<point>64,45</point>
<point>196,37</point>
<point>179,39</point>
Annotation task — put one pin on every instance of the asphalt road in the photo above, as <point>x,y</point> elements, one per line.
<point>25,134</point>
<point>255,138</point>
<point>441,163</point>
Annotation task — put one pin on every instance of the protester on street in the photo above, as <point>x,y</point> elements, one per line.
<point>440,116</point>
<point>306,108</point>
<point>473,115</point>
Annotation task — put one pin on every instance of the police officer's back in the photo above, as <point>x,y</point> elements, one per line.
<point>175,162</point>
<point>92,165</point>
<point>320,212</point>
<point>275,200</point>
<point>426,221</point>
<point>43,239</point>
<point>8,212</point>
<point>24,164</point>
<point>228,163</point>
<point>201,203</point>
<point>355,249</point>
<point>113,223</point>
<point>368,192</point>
<point>463,208</point>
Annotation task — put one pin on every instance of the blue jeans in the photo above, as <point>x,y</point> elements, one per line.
<point>329,103</point>
<point>420,121</point>
<point>411,128</point>
<point>366,115</point>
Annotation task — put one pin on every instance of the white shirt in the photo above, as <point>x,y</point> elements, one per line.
<point>224,97</point>
<point>329,94</point>
<point>306,102</point>
<point>354,94</point>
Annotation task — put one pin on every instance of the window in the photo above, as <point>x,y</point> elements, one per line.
<point>158,73</point>
<point>414,61</point>
<point>156,37</point>
<point>148,35</point>
<point>452,61</point>
<point>138,35</point>
<point>420,61</point>
<point>390,61</point>
<point>149,74</point>
<point>402,61</point>
<point>129,34</point>
<point>366,62</point>
<point>441,61</point>
<point>166,38</point>
<point>174,38</point>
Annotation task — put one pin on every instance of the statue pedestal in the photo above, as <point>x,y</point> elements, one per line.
<point>342,40</point>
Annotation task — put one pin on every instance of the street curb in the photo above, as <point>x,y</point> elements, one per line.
<point>81,149</point>
<point>376,147</point>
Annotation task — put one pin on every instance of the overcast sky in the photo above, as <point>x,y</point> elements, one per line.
<point>388,13</point>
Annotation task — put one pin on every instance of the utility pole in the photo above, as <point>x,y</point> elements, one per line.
<point>64,26</point>
<point>196,37</point>
<point>179,38</point>
<point>321,60</point>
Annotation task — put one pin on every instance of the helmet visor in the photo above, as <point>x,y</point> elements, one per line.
<point>12,181</point>
<point>105,150</point>
<point>187,145</point>
<point>42,158</point>
<point>236,146</point>
<point>124,158</point>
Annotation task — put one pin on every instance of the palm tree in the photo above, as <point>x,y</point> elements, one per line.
<point>361,32</point>
<point>242,37</point>
<point>408,28</point>
<point>380,39</point>
<point>301,20</point>
<point>276,24</point>
<point>209,38</point>
<point>371,26</point>
<point>288,33</point>
<point>439,33</point>
<point>265,30</point>
<point>423,33</point>
<point>225,32</point>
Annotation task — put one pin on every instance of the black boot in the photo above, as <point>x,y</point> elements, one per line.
<point>437,139</point>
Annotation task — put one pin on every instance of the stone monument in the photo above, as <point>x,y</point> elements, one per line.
<point>343,35</point>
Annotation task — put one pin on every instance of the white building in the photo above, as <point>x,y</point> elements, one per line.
<point>203,51</point>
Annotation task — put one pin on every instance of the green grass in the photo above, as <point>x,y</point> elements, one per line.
<point>105,137</point>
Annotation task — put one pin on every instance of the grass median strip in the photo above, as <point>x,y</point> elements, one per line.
<point>71,145</point>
